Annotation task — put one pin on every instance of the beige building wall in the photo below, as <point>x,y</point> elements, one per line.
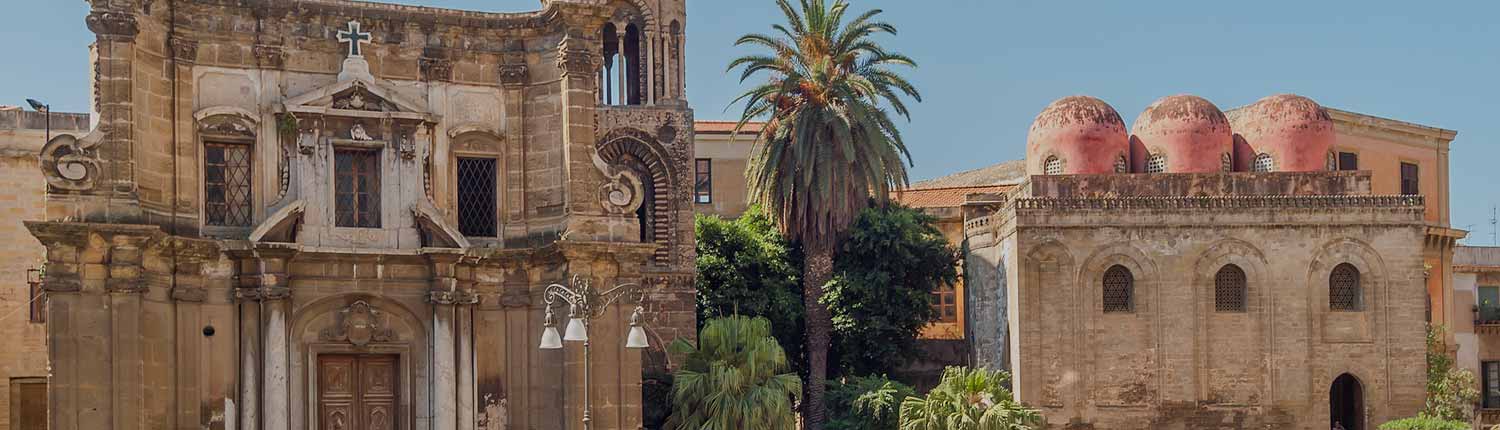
<point>22,190</point>
<point>1382,146</point>
<point>728,155</point>
<point>1477,339</point>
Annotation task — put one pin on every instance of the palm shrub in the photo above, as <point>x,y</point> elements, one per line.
<point>829,144</point>
<point>968,399</point>
<point>1424,422</point>
<point>736,378</point>
<point>866,403</point>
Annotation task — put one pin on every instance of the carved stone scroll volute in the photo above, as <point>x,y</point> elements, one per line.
<point>359,324</point>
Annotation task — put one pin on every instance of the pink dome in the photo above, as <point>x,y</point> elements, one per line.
<point>1293,130</point>
<point>1190,133</point>
<point>1076,135</point>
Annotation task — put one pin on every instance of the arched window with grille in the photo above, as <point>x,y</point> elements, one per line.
<point>1344,293</point>
<point>1226,162</point>
<point>1119,290</point>
<point>1053,166</point>
<point>1122,165</point>
<point>1156,163</point>
<point>1229,289</point>
<point>1264,163</point>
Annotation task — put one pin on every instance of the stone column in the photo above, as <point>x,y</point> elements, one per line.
<point>668,77</point>
<point>444,399</point>
<point>127,288</point>
<point>464,328</point>
<point>249,360</point>
<point>648,39</point>
<point>115,45</point>
<point>276,302</point>
<point>444,295</point>
<point>624,68</point>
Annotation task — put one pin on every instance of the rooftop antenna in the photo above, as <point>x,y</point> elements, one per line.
<point>1494,223</point>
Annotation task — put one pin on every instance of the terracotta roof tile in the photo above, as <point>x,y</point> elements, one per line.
<point>726,127</point>
<point>948,197</point>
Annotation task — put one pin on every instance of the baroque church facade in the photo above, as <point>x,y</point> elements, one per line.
<point>340,215</point>
<point>1202,271</point>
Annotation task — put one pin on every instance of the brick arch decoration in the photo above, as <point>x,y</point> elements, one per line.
<point>618,144</point>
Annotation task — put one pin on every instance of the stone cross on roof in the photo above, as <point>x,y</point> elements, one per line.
<point>355,38</point>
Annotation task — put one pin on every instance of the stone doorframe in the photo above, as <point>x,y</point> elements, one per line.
<point>407,338</point>
<point>406,418</point>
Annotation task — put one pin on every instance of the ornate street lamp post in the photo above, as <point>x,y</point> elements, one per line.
<point>584,305</point>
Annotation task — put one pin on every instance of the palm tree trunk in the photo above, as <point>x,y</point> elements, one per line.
<point>817,271</point>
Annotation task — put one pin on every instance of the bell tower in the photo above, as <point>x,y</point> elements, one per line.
<point>643,53</point>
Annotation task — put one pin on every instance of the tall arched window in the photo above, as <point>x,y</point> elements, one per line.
<point>1119,290</point>
<point>620,74</point>
<point>1226,162</point>
<point>1344,292</point>
<point>1156,163</point>
<point>1264,163</point>
<point>1053,166</point>
<point>1229,289</point>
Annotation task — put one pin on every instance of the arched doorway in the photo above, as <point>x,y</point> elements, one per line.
<point>1346,403</point>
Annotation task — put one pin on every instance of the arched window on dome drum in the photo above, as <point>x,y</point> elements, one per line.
<point>1229,289</point>
<point>1264,163</point>
<point>1226,162</point>
<point>1333,161</point>
<point>1344,292</point>
<point>1156,163</point>
<point>1119,290</point>
<point>1121,164</point>
<point>1053,166</point>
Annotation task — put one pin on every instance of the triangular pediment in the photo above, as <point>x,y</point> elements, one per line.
<point>356,97</point>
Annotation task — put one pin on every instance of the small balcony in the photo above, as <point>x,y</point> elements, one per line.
<point>1487,321</point>
<point>1489,417</point>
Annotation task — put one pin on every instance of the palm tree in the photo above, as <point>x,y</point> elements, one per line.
<point>968,399</point>
<point>829,145</point>
<point>736,378</point>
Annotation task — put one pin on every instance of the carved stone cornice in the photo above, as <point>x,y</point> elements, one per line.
<point>514,75</point>
<point>113,25</point>
<point>185,51</point>
<point>515,298</point>
<point>190,294</point>
<point>247,294</point>
<point>275,293</point>
<point>455,297</point>
<point>1225,202</point>
<point>270,56</point>
<point>436,69</point>
<point>127,285</point>
<point>575,57</point>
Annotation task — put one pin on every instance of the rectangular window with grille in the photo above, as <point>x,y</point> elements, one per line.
<point>945,304</point>
<point>703,185</point>
<point>477,197</point>
<point>356,188</point>
<point>226,184</point>
<point>1409,182</point>
<point>1491,376</point>
<point>1348,161</point>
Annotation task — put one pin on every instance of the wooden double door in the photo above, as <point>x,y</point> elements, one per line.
<point>358,392</point>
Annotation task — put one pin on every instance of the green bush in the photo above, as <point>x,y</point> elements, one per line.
<point>1424,423</point>
<point>865,403</point>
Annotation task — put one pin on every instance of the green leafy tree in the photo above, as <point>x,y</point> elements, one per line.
<point>746,268</point>
<point>1424,422</point>
<point>866,403</point>
<point>881,295</point>
<point>968,399</point>
<point>1451,392</point>
<point>735,379</point>
<point>829,144</point>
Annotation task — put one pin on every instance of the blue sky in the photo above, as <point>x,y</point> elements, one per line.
<point>988,66</point>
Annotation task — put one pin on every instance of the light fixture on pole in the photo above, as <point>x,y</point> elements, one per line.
<point>586,304</point>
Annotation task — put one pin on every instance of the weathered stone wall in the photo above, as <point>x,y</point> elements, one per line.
<point>1174,361</point>
<point>165,322</point>
<point>22,193</point>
